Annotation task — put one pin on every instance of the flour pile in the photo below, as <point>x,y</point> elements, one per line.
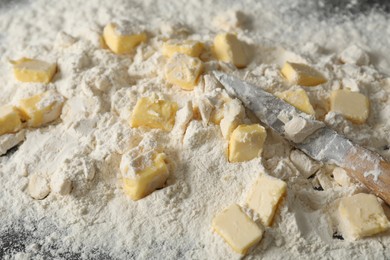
<point>86,214</point>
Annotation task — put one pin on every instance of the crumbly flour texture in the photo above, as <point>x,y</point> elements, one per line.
<point>86,214</point>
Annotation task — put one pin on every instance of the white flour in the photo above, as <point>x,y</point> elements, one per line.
<point>86,215</point>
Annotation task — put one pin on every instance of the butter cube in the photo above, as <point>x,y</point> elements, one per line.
<point>189,47</point>
<point>38,187</point>
<point>297,98</point>
<point>42,108</point>
<point>228,48</point>
<point>152,113</point>
<point>237,229</point>
<point>233,115</point>
<point>10,120</point>
<point>354,55</point>
<point>341,177</point>
<point>265,197</point>
<point>216,116</point>
<point>353,106</point>
<point>32,70</point>
<point>143,174</point>
<point>361,215</point>
<point>302,74</point>
<point>183,70</point>
<point>246,142</point>
<point>120,39</point>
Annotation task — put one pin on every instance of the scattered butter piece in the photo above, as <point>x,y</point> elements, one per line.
<point>33,70</point>
<point>143,173</point>
<point>302,74</point>
<point>10,121</point>
<point>352,105</point>
<point>120,39</point>
<point>341,177</point>
<point>297,98</point>
<point>38,187</point>
<point>216,116</point>
<point>265,197</point>
<point>7,141</point>
<point>228,48</point>
<point>354,55</point>
<point>153,113</point>
<point>246,142</point>
<point>188,47</point>
<point>42,108</point>
<point>237,229</point>
<point>233,115</point>
<point>60,184</point>
<point>299,128</point>
<point>205,108</point>
<point>183,70</point>
<point>305,165</point>
<point>324,179</point>
<point>361,215</point>
<point>183,118</point>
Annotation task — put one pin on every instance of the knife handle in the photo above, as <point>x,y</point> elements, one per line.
<point>370,169</point>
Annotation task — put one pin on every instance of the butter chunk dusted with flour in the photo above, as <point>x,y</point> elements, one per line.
<point>183,71</point>
<point>189,47</point>
<point>233,115</point>
<point>143,172</point>
<point>10,121</point>
<point>341,177</point>
<point>265,196</point>
<point>237,229</point>
<point>38,187</point>
<point>33,70</point>
<point>228,48</point>
<point>353,106</point>
<point>246,142</point>
<point>361,215</point>
<point>122,37</point>
<point>302,74</point>
<point>154,113</point>
<point>297,98</point>
<point>42,108</point>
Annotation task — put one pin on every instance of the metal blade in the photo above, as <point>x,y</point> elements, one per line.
<point>324,144</point>
<point>264,105</point>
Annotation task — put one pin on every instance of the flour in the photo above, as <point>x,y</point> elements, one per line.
<point>74,163</point>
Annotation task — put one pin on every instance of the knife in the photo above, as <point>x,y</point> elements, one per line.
<point>321,143</point>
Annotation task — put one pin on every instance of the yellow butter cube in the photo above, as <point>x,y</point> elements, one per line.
<point>352,105</point>
<point>42,108</point>
<point>121,40</point>
<point>32,70</point>
<point>216,116</point>
<point>361,215</point>
<point>144,174</point>
<point>10,120</point>
<point>152,113</point>
<point>237,229</point>
<point>246,142</point>
<point>297,98</point>
<point>189,47</point>
<point>265,197</point>
<point>228,48</point>
<point>183,70</point>
<point>302,74</point>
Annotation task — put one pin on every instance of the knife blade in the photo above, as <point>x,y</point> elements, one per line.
<point>322,144</point>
